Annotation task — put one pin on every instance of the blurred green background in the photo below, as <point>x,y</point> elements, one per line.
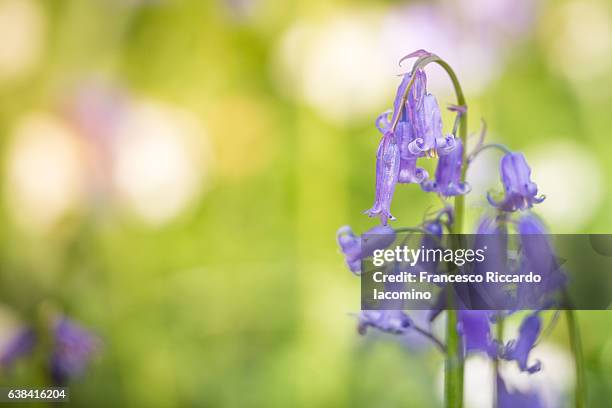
<point>173,174</point>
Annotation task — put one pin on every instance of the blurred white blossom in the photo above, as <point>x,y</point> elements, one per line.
<point>22,34</point>
<point>557,166</point>
<point>337,65</point>
<point>44,170</point>
<point>158,160</point>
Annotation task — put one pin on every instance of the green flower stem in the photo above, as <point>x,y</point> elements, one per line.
<point>453,379</point>
<point>454,359</point>
<point>576,347</point>
<point>460,199</point>
<point>500,339</point>
<point>453,369</point>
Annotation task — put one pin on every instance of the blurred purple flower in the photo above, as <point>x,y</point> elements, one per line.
<point>491,234</point>
<point>518,350</point>
<point>73,349</point>
<point>388,321</point>
<point>350,244</point>
<point>96,109</point>
<point>474,326</point>
<point>504,21</point>
<point>448,175</point>
<point>506,399</point>
<point>538,256</point>
<point>521,192</point>
<point>433,227</point>
<point>433,25</point>
<point>19,346</point>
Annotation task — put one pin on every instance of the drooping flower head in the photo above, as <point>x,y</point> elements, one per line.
<point>20,345</point>
<point>422,134</point>
<point>73,349</point>
<point>356,248</point>
<point>520,191</point>
<point>387,172</point>
<point>448,175</point>
<point>518,350</point>
<point>418,129</point>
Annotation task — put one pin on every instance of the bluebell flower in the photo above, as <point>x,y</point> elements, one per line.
<point>419,127</point>
<point>422,121</point>
<point>492,234</point>
<point>388,321</point>
<point>520,191</point>
<point>420,117</point>
<point>518,350</point>
<point>448,175</point>
<point>19,346</point>
<point>409,172</point>
<point>507,399</point>
<point>383,122</point>
<point>538,256</point>
<point>73,349</point>
<point>350,246</point>
<point>474,326</point>
<point>446,144</point>
<point>356,248</point>
<point>427,133</point>
<point>387,172</point>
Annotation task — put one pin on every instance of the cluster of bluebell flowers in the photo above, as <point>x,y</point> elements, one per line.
<point>412,131</point>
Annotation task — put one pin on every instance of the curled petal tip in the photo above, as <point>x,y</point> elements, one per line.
<point>416,54</point>
<point>417,146</point>
<point>383,124</point>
